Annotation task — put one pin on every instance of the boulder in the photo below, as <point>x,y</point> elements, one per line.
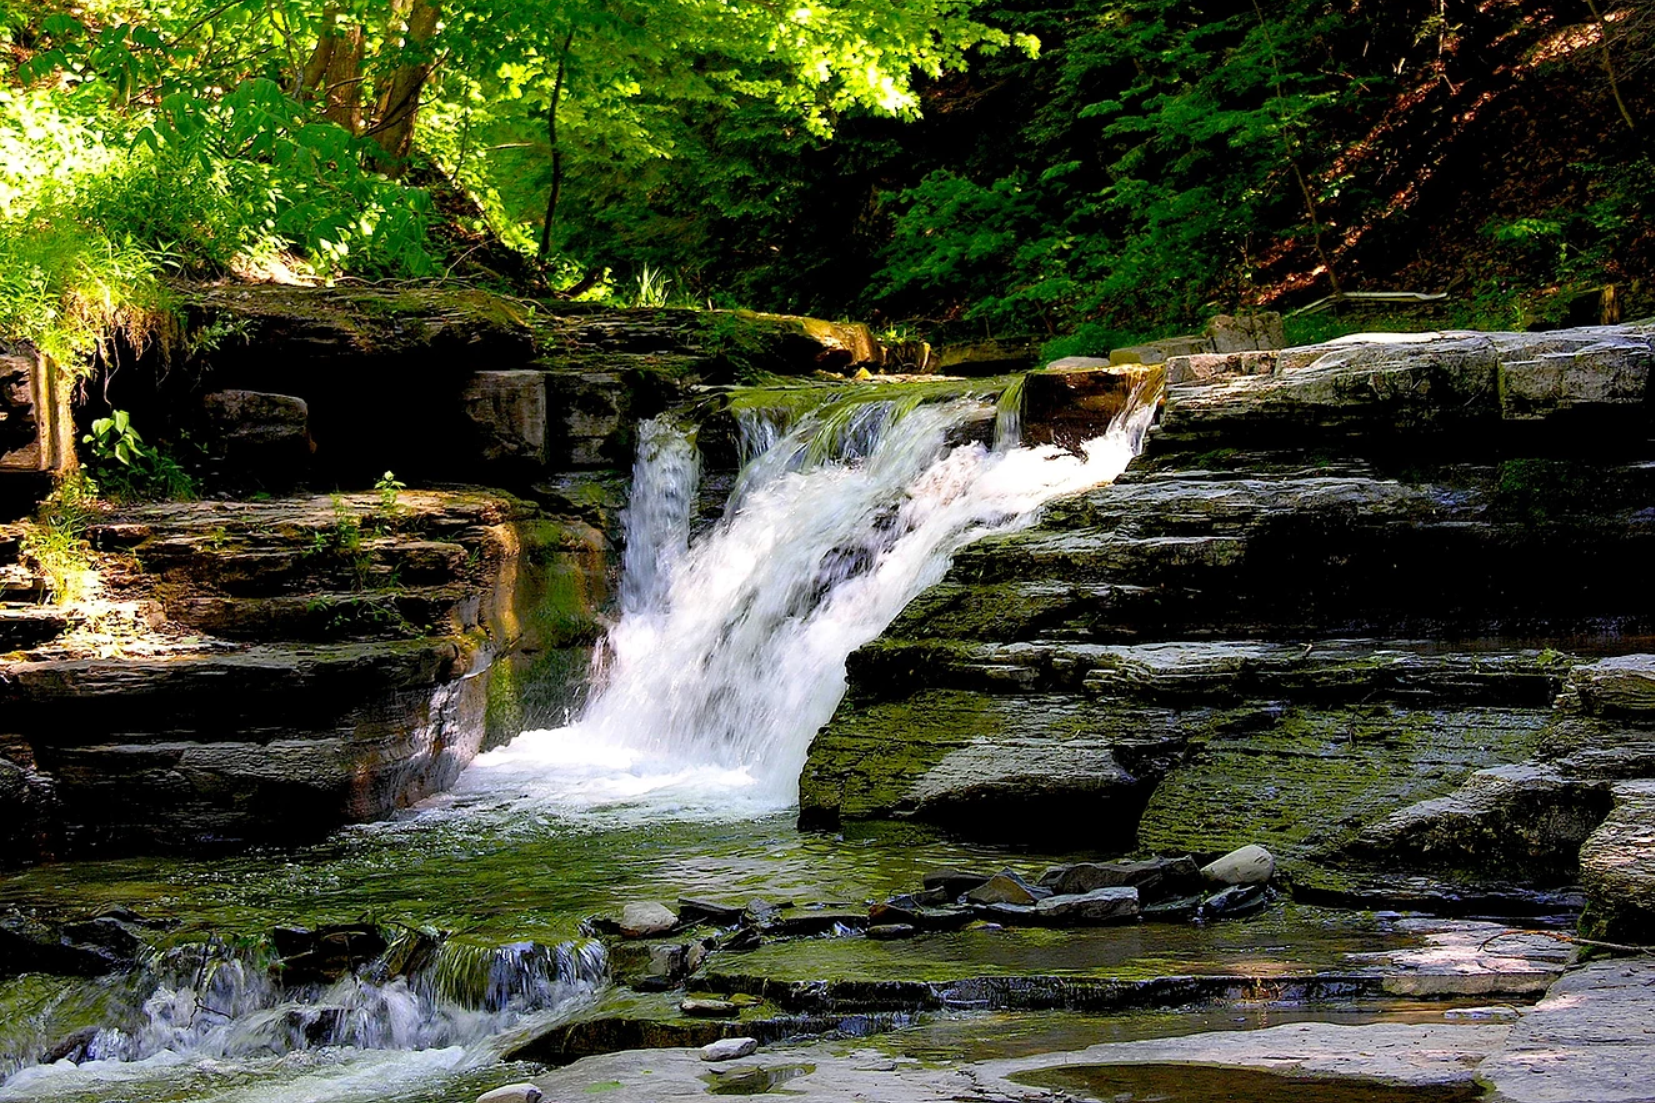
<point>693,911</point>
<point>988,357</point>
<point>953,882</point>
<point>1153,879</point>
<point>1068,406</point>
<point>652,966</point>
<point>1375,385</point>
<point>1104,905</point>
<point>1206,367</point>
<point>1248,865</point>
<point>1617,868</point>
<point>891,932</point>
<point>258,433</point>
<point>1623,686</point>
<point>1236,900</point>
<point>645,919</point>
<point>324,954</point>
<point>1526,820</point>
<point>30,946</point>
<point>1159,352</point>
<point>729,1049</point>
<point>1246,332</point>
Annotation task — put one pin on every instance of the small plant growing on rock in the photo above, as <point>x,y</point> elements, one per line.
<point>389,486</point>
<point>56,542</point>
<point>127,468</point>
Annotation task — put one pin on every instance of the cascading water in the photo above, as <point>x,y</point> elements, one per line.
<point>730,653</point>
<point>224,1008</point>
<point>728,656</point>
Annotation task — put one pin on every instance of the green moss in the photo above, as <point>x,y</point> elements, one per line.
<point>1288,939</point>
<point>1307,782</point>
<point>864,762</point>
<point>503,715</point>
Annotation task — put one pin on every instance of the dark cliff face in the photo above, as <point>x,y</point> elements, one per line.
<point>1330,610</point>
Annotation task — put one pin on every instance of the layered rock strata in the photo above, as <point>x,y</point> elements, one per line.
<point>264,671</point>
<point>1329,610</point>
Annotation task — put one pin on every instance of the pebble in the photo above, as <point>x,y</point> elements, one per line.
<point>513,1093</point>
<point>643,919</point>
<point>728,1049</point>
<point>1250,865</point>
<point>888,932</point>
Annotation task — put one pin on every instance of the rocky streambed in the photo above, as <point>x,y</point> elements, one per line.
<point>1314,746</point>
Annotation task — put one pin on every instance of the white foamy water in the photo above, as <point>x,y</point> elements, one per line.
<point>730,651</point>
<point>215,1018</point>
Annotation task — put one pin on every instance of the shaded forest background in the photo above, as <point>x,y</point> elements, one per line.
<point>1089,173</point>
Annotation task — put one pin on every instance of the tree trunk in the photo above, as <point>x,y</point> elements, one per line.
<point>414,24</point>
<point>316,66</point>
<point>557,150</point>
<point>344,80</point>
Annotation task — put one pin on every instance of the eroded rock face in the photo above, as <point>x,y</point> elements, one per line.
<point>1617,868</point>
<point>1293,622</point>
<point>1525,820</point>
<point>305,662</point>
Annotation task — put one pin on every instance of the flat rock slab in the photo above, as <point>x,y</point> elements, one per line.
<point>1591,1040</point>
<point>1468,958</point>
<point>1407,1053</point>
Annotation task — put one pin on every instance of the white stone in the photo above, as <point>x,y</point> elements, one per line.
<point>513,1093</point>
<point>641,920</point>
<point>1251,865</point>
<point>728,1049</point>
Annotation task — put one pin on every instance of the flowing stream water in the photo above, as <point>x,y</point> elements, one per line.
<point>728,655</point>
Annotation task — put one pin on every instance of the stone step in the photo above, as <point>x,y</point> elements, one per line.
<point>27,626</point>
<point>11,544</point>
<point>328,614</point>
<point>18,584</point>
<point>1194,673</point>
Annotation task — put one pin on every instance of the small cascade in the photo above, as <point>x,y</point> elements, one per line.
<point>1008,416</point>
<point>730,660</point>
<point>220,1002</point>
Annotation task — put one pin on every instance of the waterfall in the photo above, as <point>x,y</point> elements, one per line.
<point>658,516</point>
<point>730,653</point>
